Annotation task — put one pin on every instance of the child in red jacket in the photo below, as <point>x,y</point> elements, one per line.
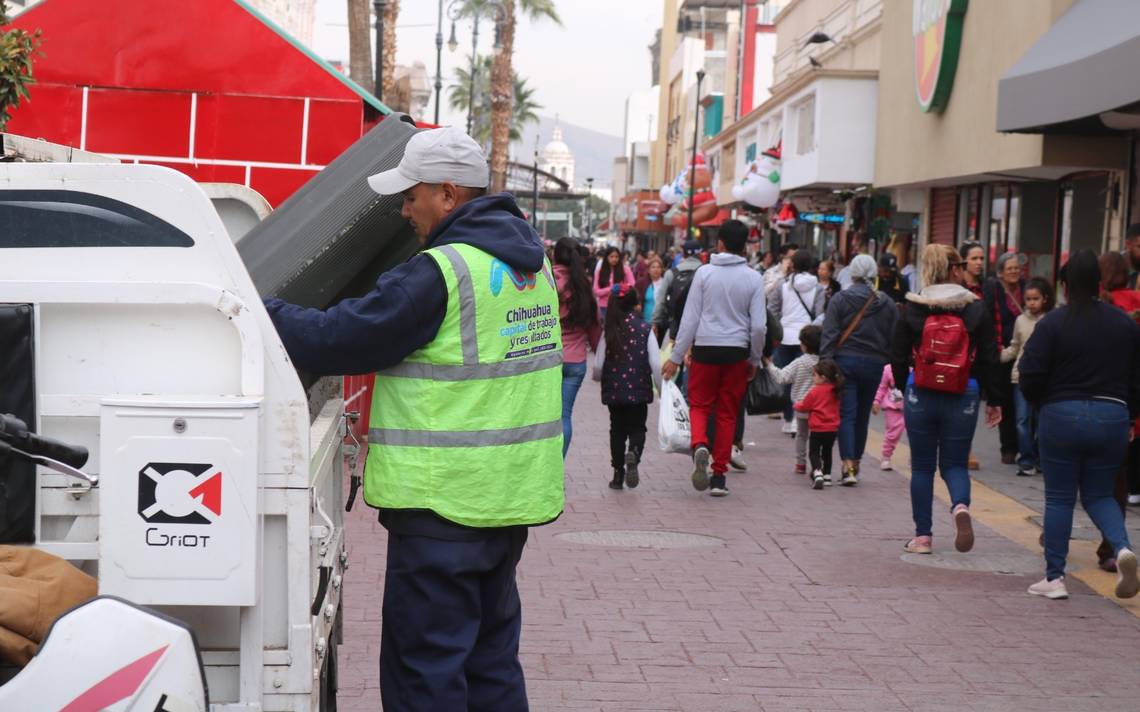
<point>822,406</point>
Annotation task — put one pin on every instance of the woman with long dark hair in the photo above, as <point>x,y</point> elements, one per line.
<point>1082,368</point>
<point>578,312</point>
<point>611,270</point>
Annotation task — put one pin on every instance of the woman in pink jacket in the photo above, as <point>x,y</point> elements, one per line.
<point>578,312</point>
<point>889,400</point>
<point>611,270</point>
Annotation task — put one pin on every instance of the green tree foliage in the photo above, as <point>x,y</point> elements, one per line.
<point>17,49</point>
<point>523,109</point>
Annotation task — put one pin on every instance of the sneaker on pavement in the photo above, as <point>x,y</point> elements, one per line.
<point>1127,583</point>
<point>789,427</point>
<point>619,478</point>
<point>827,480</point>
<point>1134,499</point>
<point>1108,564</point>
<point>737,459</point>
<point>1025,472</point>
<point>632,478</point>
<point>919,545</point>
<point>717,486</point>
<point>886,464</point>
<point>701,469</point>
<point>801,469</point>
<point>817,480</point>
<point>1054,590</point>
<point>849,478</point>
<point>963,529</point>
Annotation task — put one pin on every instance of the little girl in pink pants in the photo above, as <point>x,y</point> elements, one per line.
<point>889,400</point>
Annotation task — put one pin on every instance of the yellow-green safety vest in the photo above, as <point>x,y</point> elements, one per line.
<point>469,426</point>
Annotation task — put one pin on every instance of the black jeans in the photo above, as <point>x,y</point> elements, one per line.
<point>820,446</point>
<point>627,422</point>
<point>451,624</point>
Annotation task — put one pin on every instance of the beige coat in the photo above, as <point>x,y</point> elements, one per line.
<point>1022,330</point>
<point>35,589</point>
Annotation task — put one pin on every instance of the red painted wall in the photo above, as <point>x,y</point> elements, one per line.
<point>204,87</point>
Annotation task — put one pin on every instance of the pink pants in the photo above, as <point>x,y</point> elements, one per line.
<point>895,427</point>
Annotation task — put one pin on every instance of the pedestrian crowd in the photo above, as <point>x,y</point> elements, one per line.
<point>932,348</point>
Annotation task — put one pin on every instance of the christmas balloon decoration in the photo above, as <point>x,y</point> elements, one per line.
<point>761,184</point>
<point>698,192</point>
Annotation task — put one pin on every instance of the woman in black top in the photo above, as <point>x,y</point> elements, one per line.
<point>940,424</point>
<point>1004,303</point>
<point>1082,368</point>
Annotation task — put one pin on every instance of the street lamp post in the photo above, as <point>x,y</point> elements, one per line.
<point>589,211</point>
<point>438,61</point>
<point>696,138</point>
<point>379,6</point>
<point>534,217</point>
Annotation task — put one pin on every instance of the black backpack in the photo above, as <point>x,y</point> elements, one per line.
<point>676,296</point>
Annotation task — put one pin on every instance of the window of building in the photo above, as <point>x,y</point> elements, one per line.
<point>805,126</point>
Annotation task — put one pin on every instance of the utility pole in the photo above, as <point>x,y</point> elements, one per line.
<point>696,138</point>
<point>438,61</point>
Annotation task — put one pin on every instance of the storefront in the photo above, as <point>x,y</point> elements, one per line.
<point>1039,195</point>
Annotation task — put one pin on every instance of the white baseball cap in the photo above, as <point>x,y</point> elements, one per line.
<point>446,155</point>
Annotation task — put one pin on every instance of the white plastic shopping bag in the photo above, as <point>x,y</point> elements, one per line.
<point>673,434</point>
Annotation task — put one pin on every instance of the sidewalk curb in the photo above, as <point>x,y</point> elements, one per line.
<point>1014,521</point>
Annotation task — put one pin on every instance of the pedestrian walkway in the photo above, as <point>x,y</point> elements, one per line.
<point>777,597</point>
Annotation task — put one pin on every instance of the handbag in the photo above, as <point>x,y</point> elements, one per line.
<point>764,395</point>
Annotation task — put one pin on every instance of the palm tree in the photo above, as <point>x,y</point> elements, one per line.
<point>17,50</point>
<point>502,73</point>
<point>391,15</point>
<point>523,105</point>
<point>359,43</point>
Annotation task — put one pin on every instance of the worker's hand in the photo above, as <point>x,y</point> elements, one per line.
<point>993,415</point>
<point>875,408</point>
<point>752,369</point>
<point>689,360</point>
<point>669,370</point>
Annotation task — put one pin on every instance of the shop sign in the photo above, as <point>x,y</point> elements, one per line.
<point>821,218</point>
<point>937,26</point>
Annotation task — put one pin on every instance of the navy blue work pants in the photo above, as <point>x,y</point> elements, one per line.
<point>452,619</point>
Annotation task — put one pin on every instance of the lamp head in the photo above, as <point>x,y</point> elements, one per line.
<point>818,38</point>
<point>453,42</point>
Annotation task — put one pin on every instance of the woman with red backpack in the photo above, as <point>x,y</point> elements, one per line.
<point>945,334</point>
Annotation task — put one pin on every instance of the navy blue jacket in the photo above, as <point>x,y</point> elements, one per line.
<point>405,310</point>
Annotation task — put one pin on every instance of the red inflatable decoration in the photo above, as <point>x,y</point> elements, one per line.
<point>698,192</point>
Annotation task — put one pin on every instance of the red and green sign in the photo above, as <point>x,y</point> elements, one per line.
<point>937,26</point>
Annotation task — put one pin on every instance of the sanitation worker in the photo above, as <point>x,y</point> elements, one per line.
<point>465,445</point>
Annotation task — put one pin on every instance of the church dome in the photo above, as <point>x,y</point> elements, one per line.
<point>557,149</point>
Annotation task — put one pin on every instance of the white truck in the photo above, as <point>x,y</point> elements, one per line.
<point>214,495</point>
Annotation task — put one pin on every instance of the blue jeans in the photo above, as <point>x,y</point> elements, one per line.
<point>1083,444</point>
<point>572,376</point>
<point>1026,430</point>
<point>863,375</point>
<point>940,427</point>
<point>782,356</point>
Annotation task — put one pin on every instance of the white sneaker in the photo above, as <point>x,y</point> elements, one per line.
<point>817,480</point>
<point>789,427</point>
<point>1053,590</point>
<point>1127,583</point>
<point>886,464</point>
<point>737,459</point>
<point>1134,499</point>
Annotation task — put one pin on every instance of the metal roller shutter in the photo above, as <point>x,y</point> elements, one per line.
<point>943,211</point>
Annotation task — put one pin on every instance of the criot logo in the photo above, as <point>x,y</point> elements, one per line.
<point>180,493</point>
<point>521,281</point>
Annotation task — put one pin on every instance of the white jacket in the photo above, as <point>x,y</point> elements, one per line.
<point>788,302</point>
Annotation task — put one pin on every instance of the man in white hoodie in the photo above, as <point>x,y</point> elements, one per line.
<point>724,325</point>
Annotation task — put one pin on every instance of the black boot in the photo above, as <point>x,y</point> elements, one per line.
<point>632,476</point>
<point>619,478</point>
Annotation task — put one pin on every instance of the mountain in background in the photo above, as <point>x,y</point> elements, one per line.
<point>594,152</point>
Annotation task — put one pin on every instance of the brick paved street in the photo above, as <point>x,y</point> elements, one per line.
<point>801,601</point>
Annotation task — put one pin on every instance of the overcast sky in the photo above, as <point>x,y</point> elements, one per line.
<point>583,70</point>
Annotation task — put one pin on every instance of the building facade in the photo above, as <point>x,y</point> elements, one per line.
<point>1043,195</point>
<point>557,158</point>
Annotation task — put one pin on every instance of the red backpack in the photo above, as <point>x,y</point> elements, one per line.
<point>943,357</point>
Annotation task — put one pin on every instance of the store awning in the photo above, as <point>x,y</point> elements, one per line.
<point>1084,66</point>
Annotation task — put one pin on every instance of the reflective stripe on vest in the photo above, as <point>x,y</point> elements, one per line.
<point>469,426</point>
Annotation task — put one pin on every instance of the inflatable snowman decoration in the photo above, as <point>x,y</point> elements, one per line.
<point>761,185</point>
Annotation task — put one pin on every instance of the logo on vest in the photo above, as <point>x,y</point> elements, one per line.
<point>522,281</point>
